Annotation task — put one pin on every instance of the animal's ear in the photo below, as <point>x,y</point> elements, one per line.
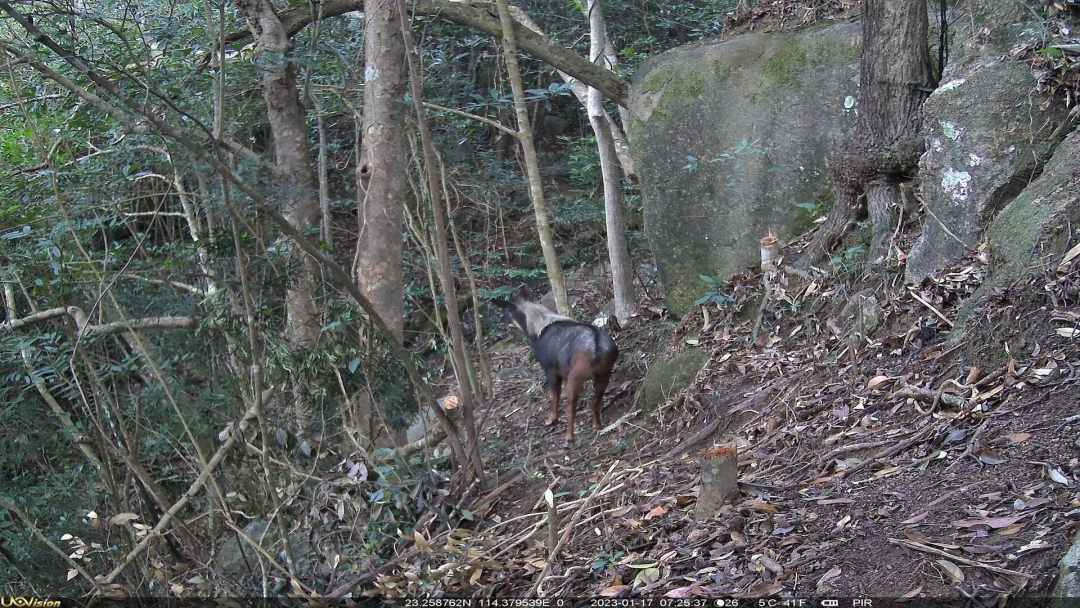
<point>521,294</point>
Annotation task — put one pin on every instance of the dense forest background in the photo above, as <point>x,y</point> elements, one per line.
<point>238,266</point>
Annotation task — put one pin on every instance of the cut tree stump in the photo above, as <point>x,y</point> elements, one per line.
<point>719,480</point>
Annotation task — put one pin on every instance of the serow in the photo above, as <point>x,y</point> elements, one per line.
<point>570,352</point>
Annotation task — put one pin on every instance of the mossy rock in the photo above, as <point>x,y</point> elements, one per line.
<point>1068,585</point>
<point>667,378</point>
<point>1033,232</point>
<point>730,137</point>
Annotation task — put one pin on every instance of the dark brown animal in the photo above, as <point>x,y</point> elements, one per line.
<point>570,352</point>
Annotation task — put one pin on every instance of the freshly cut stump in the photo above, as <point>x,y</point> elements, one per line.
<point>719,480</point>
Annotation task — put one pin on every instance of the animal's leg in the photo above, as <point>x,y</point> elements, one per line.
<point>555,388</point>
<point>580,372</point>
<point>600,383</point>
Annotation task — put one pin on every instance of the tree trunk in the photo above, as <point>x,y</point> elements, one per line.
<point>532,166</point>
<point>622,276</point>
<point>894,81</point>
<point>381,173</point>
<point>291,153</point>
<point>293,156</point>
<point>581,93</point>
<point>446,276</point>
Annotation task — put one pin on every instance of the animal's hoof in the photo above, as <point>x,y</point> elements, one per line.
<point>596,425</point>
<point>568,442</point>
<point>551,421</point>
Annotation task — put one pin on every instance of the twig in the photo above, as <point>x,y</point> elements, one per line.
<point>492,495</point>
<point>930,306</point>
<point>33,528</point>
<point>970,447</point>
<point>896,449</point>
<point>949,495</point>
<point>956,558</point>
<point>570,528</point>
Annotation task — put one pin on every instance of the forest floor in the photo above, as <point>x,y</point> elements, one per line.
<point>920,464</point>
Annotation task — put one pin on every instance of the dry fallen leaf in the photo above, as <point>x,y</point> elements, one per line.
<point>764,507</point>
<point>877,381</point>
<point>122,518</point>
<point>917,518</point>
<point>987,522</point>
<point>914,592</point>
<point>1010,530</point>
<point>1058,476</point>
<point>690,591</point>
<point>1070,254</point>
<point>614,590</point>
<point>1019,437</point>
<point>836,501</point>
<point>833,572</point>
<point>954,571</point>
<point>656,511</point>
<point>988,457</point>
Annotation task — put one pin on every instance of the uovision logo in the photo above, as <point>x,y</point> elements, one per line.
<point>27,602</point>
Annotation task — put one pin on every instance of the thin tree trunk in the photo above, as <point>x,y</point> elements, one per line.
<point>446,276</point>
<point>532,166</point>
<point>622,276</point>
<point>293,156</point>
<point>381,172</point>
<point>581,93</point>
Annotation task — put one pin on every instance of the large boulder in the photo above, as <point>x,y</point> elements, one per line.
<point>978,157</point>
<point>1035,229</point>
<point>776,105</point>
<point>987,132</point>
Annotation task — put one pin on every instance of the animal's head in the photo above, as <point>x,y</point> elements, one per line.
<point>526,315</point>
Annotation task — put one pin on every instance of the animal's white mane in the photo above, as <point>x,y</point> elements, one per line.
<point>538,316</point>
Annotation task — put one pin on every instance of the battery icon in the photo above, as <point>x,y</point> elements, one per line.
<point>830,603</point>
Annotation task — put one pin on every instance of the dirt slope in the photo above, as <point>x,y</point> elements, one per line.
<point>914,465</point>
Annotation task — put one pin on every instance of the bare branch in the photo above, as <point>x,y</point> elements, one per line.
<point>477,18</point>
<point>77,315</point>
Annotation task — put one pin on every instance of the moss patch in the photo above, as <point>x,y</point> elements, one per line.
<point>666,378</point>
<point>783,67</point>
<point>1032,230</point>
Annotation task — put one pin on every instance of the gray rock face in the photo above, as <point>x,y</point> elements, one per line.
<point>790,96</point>
<point>1033,231</point>
<point>1068,585</point>
<point>985,139</point>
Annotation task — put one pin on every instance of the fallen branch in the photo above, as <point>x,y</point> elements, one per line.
<point>900,447</point>
<point>956,558</point>
<point>930,307</point>
<point>570,528</point>
<point>85,328</point>
<point>746,404</point>
<point>928,396</point>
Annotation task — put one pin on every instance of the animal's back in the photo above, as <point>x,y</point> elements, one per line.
<point>562,341</point>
